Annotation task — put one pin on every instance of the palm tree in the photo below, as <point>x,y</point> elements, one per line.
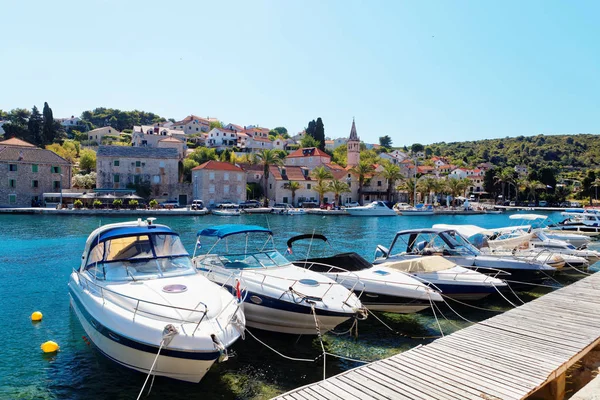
<point>363,169</point>
<point>268,157</point>
<point>428,184</point>
<point>292,186</point>
<point>321,188</point>
<point>529,187</point>
<point>320,174</point>
<point>392,173</point>
<point>338,187</point>
<point>409,186</point>
<point>455,187</point>
<point>504,176</point>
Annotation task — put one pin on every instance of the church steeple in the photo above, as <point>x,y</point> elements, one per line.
<point>353,146</point>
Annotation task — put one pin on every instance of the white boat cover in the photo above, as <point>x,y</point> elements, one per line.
<point>421,264</point>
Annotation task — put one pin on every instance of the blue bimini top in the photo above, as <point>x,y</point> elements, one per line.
<point>222,231</point>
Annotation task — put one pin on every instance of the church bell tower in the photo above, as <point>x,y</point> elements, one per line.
<point>353,146</point>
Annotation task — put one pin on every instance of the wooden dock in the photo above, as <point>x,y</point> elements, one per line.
<point>509,356</point>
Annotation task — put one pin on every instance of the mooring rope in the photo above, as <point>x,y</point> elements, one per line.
<point>399,333</point>
<point>434,314</point>
<point>278,352</point>
<point>513,292</point>
<point>581,272</point>
<point>504,297</point>
<point>168,333</point>
<point>470,305</point>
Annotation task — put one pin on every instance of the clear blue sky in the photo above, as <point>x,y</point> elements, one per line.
<point>419,71</point>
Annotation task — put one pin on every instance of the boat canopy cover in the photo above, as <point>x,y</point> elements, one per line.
<point>421,264</point>
<point>466,230</point>
<point>530,217</point>
<point>306,236</point>
<point>347,261</point>
<point>222,231</point>
<point>132,231</point>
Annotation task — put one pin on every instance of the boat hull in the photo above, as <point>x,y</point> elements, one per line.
<point>411,213</point>
<point>466,292</point>
<point>392,304</point>
<point>140,356</point>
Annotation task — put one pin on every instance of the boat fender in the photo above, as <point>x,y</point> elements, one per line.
<point>169,333</point>
<point>50,347</point>
<point>223,356</point>
<point>36,316</point>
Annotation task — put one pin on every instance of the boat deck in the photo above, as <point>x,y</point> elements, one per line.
<point>509,356</point>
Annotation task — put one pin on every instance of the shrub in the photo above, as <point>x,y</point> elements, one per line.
<point>133,204</point>
<point>97,204</point>
<point>117,203</point>
<point>153,203</point>
<point>78,204</point>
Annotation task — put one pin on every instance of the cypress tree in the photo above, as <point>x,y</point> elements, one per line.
<point>320,133</point>
<point>34,126</point>
<point>48,128</point>
<point>312,126</point>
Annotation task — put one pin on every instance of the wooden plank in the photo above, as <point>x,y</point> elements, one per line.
<point>548,326</point>
<point>528,330</point>
<point>485,380</point>
<point>318,393</point>
<point>550,318</point>
<point>373,386</point>
<point>458,385</point>
<point>427,384</point>
<point>335,390</point>
<point>343,385</point>
<point>394,385</point>
<point>306,394</point>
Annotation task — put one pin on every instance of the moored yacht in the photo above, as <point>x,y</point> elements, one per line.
<point>374,209</point>
<point>136,293</point>
<point>380,288</point>
<point>277,295</point>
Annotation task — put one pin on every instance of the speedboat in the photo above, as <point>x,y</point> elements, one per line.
<point>380,288</point>
<point>258,210</point>
<point>418,211</point>
<point>450,244</point>
<point>542,221</point>
<point>227,210</point>
<point>277,295</point>
<point>374,209</point>
<point>136,294</point>
<point>586,223</point>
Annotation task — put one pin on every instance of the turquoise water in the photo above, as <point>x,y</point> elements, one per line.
<point>37,254</point>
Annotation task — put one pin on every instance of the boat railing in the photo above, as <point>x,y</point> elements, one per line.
<point>138,302</point>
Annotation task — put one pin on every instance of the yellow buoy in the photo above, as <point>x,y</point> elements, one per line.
<point>50,347</point>
<point>36,316</point>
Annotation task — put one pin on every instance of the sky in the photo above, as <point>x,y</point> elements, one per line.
<point>418,71</point>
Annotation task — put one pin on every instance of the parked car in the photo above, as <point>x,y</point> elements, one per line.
<point>543,203</point>
<point>565,204</point>
<point>512,203</point>
<point>575,204</point>
<point>169,204</point>
<point>250,204</point>
<point>197,205</point>
<point>327,206</point>
<point>309,204</point>
<point>352,204</point>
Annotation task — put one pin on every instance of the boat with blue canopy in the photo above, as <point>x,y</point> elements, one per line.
<point>142,304</point>
<point>277,296</point>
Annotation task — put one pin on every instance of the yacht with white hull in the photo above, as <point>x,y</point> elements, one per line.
<point>136,294</point>
<point>374,209</point>
<point>277,296</point>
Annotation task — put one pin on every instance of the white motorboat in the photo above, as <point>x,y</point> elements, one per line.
<point>277,295</point>
<point>450,244</point>
<point>136,293</point>
<point>227,210</point>
<point>380,288</point>
<point>582,223</point>
<point>451,279</point>
<point>295,211</point>
<point>374,209</point>
<point>257,210</point>
<point>577,239</point>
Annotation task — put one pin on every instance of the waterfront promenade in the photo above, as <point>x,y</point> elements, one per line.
<point>522,353</point>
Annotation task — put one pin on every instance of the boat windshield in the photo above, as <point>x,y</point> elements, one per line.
<point>267,259</point>
<point>448,243</point>
<point>132,258</point>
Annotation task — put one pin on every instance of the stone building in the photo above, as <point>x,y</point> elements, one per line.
<point>309,157</point>
<point>216,182</point>
<point>96,135</point>
<point>27,172</point>
<point>119,166</point>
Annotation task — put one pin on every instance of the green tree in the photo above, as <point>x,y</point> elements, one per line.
<point>321,174</point>
<point>215,124</point>
<point>293,187</point>
<point>87,160</point>
<point>408,185</point>
<point>337,188</point>
<point>416,148</point>
<point>34,126</point>
<point>309,141</point>
<point>188,165</point>
<point>391,172</point>
<point>503,177</point>
<point>321,188</point>
<point>49,131</point>
<point>430,185</point>
<point>455,187</point>
<point>385,142</point>
<point>267,158</point>
<point>320,133</point>
<point>340,155</point>
<point>203,154</point>
<point>363,170</point>
<point>312,127</point>
<point>280,130</point>
<point>17,124</point>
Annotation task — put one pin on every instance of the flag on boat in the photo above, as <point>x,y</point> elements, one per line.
<point>198,244</point>
<point>289,251</point>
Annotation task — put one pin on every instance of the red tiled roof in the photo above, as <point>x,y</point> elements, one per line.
<point>15,142</point>
<point>334,167</point>
<point>308,152</point>
<point>218,166</point>
<point>191,118</point>
<point>262,139</point>
<point>291,173</point>
<point>171,139</point>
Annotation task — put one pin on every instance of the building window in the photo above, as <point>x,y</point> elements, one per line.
<point>308,186</point>
<point>161,164</point>
<point>116,163</point>
<point>56,185</point>
<point>12,183</point>
<point>12,167</point>
<point>34,184</point>
<point>239,190</point>
<point>378,183</point>
<point>239,177</point>
<point>55,170</point>
<point>138,164</point>
<point>285,199</point>
<point>270,186</point>
<point>34,168</point>
<point>211,188</point>
<point>136,179</point>
<point>211,176</point>
<point>226,189</point>
<point>12,198</point>
<point>116,178</point>
<point>156,179</point>
<point>226,176</point>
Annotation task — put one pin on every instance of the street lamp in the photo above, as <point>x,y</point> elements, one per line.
<point>60,185</point>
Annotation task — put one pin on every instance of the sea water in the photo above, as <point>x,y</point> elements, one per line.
<point>38,253</point>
